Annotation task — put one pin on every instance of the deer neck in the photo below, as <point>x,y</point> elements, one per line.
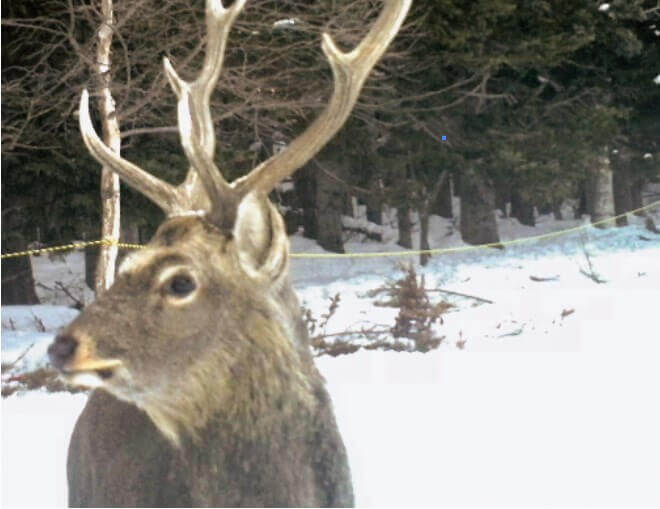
<point>261,389</point>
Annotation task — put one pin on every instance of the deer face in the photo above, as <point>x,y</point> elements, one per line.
<point>160,309</point>
<point>185,316</point>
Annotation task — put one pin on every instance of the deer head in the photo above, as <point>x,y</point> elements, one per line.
<point>203,319</point>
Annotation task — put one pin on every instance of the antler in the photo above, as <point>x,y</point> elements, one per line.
<point>161,193</point>
<point>195,127</point>
<point>350,70</point>
<point>194,111</point>
<point>216,196</point>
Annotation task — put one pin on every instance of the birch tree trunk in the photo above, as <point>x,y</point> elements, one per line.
<point>105,271</point>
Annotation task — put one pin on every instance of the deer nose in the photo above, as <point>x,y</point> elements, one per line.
<point>61,350</point>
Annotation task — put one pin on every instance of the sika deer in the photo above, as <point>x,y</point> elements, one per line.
<point>207,394</point>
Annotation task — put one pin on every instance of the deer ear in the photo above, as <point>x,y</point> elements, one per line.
<point>260,236</point>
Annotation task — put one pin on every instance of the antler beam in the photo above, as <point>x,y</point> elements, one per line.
<point>194,111</point>
<point>161,193</point>
<point>350,70</point>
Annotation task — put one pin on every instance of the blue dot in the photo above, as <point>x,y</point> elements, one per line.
<point>444,138</point>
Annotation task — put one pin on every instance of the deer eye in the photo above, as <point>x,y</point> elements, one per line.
<point>180,285</point>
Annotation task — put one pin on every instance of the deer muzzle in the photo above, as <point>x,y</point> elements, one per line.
<point>73,359</point>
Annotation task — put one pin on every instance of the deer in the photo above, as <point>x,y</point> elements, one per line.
<point>205,391</point>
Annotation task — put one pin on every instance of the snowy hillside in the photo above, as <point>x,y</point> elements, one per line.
<point>543,392</point>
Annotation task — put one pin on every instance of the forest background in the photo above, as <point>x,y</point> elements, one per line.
<point>509,105</point>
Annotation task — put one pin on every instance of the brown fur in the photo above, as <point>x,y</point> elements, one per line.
<point>214,400</point>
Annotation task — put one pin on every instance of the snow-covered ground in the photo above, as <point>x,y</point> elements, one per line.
<point>546,396</point>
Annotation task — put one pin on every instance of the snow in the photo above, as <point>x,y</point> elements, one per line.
<point>284,23</point>
<point>604,7</point>
<point>288,23</point>
<point>547,396</point>
<point>362,224</point>
<point>31,329</point>
<point>656,80</point>
<point>57,270</point>
<point>36,429</point>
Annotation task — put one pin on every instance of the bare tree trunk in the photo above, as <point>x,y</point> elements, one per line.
<point>91,261</point>
<point>556,209</point>
<point>601,189</point>
<point>582,206</point>
<point>424,238</point>
<point>330,200</point>
<point>17,277</point>
<point>522,209</point>
<point>456,180</point>
<point>17,280</point>
<point>503,195</point>
<point>424,212</point>
<point>350,205</point>
<point>305,185</point>
<point>405,227</point>
<point>478,224</point>
<point>442,205</point>
<point>110,224</point>
<point>375,210</point>
<point>621,187</point>
<point>374,203</point>
<point>636,195</point>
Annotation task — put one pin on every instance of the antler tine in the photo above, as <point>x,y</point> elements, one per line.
<point>350,70</point>
<point>193,109</point>
<point>161,193</point>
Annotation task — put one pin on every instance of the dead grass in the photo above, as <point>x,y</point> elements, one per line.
<point>42,378</point>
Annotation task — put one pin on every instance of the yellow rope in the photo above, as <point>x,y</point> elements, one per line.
<point>73,245</point>
<point>110,242</point>
<point>471,248</point>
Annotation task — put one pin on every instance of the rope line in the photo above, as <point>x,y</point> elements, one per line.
<point>377,254</point>
<point>73,245</point>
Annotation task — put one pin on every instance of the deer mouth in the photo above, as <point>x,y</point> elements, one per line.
<point>91,373</point>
